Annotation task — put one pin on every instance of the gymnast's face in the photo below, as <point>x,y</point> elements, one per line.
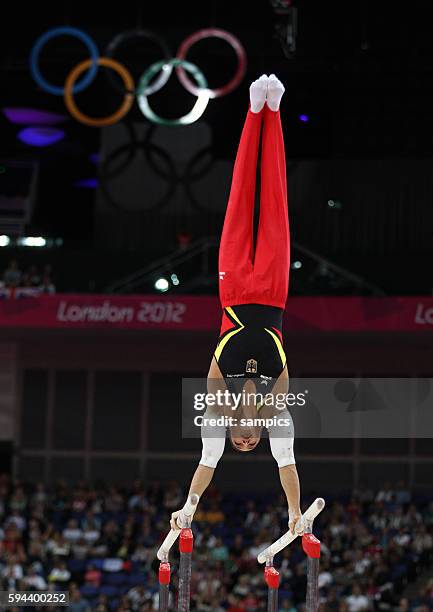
<point>244,443</point>
<point>246,438</point>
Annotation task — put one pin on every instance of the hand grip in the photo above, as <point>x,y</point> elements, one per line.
<point>187,511</point>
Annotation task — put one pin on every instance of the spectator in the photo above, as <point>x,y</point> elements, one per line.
<point>12,275</point>
<point>138,597</point>
<point>325,576</point>
<point>402,494</point>
<point>260,543</point>
<point>72,533</point>
<point>215,515</point>
<point>93,576</point>
<point>31,278</point>
<point>220,551</point>
<point>12,542</point>
<point>80,549</point>
<point>386,494</point>
<point>287,606</point>
<point>16,520</point>
<point>250,603</point>
<point>235,605</point>
<point>58,546</point>
<point>47,284</point>
<point>59,574</point>
<point>331,601</point>
<point>18,500</point>
<point>39,498</point>
<point>76,602</point>
<point>12,572</point>
<point>32,580</point>
<point>172,496</point>
<point>43,530</point>
<point>357,601</point>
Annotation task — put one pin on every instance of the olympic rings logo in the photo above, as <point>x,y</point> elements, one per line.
<point>151,81</point>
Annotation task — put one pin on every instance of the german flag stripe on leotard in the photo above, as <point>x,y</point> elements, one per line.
<point>279,346</point>
<point>239,326</point>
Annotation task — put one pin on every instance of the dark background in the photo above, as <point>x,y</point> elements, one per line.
<point>109,406</point>
<point>362,72</point>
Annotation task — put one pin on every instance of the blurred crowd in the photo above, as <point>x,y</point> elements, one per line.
<point>40,280</point>
<point>99,543</point>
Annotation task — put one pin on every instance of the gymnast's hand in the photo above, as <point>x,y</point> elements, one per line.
<point>174,517</point>
<point>296,522</point>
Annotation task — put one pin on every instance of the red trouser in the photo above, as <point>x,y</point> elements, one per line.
<point>261,276</point>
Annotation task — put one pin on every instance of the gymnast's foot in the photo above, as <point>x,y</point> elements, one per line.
<point>258,92</point>
<point>275,93</point>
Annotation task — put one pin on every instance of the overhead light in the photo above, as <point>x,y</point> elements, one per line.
<point>296,265</point>
<point>32,241</point>
<point>162,284</point>
<point>89,183</point>
<point>32,116</point>
<point>40,136</point>
<point>174,279</point>
<point>4,241</point>
<point>334,204</point>
<point>304,118</point>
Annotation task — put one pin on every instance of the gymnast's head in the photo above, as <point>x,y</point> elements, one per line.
<point>245,437</point>
<point>244,443</point>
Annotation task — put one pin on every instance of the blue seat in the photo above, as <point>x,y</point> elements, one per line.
<point>285,594</point>
<point>97,563</point>
<point>135,566</point>
<point>136,579</point>
<point>398,571</point>
<point>114,579</point>
<point>125,589</point>
<point>109,591</point>
<point>77,565</point>
<point>120,517</point>
<point>88,591</point>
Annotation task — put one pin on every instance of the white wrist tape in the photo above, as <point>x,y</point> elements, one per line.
<point>186,514</point>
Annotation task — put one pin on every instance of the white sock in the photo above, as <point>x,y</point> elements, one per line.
<point>258,92</point>
<point>275,92</point>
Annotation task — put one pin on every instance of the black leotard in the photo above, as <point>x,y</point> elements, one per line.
<point>250,344</point>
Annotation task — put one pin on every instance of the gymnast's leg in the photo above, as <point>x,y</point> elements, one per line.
<point>236,247</point>
<point>272,257</point>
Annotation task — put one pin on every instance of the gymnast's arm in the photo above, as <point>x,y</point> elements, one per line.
<point>213,442</point>
<point>281,439</point>
<point>213,437</point>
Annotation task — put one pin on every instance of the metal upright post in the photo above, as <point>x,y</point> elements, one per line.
<point>311,546</point>
<point>164,585</point>
<point>186,543</point>
<point>185,546</point>
<point>272,578</point>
